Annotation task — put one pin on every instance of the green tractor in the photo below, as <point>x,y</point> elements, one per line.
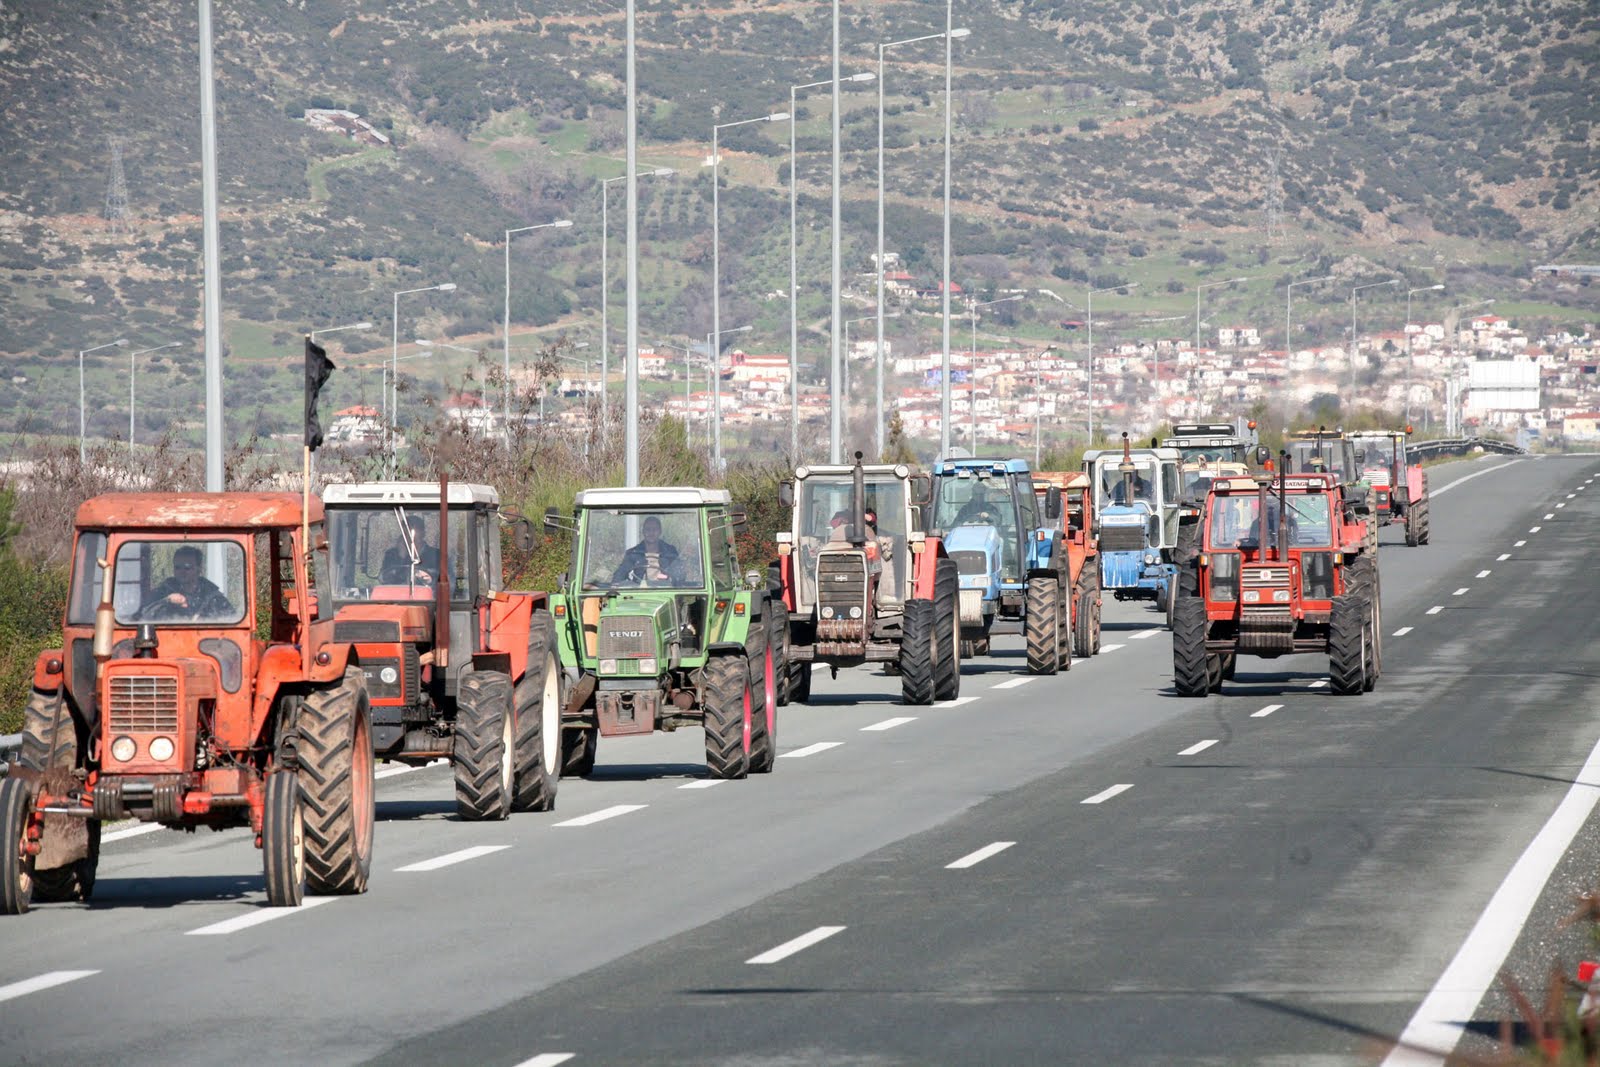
<point>658,630</point>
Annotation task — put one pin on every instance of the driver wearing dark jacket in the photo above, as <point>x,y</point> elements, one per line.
<point>188,593</point>
<point>649,560</point>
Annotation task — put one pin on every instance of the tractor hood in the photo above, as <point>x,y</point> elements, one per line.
<point>976,551</point>
<point>635,627</point>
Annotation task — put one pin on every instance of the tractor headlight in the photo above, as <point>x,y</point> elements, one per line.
<point>1149,557</point>
<point>388,676</point>
<point>161,749</point>
<point>1252,596</point>
<point>1280,596</point>
<point>608,666</point>
<point>827,613</point>
<point>647,665</point>
<point>855,613</point>
<point>123,749</point>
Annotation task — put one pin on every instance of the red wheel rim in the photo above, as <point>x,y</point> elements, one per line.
<point>771,700</point>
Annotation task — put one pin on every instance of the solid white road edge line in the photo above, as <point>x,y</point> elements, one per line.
<point>1109,648</point>
<point>972,859</point>
<point>1198,747</point>
<point>1435,1029</point>
<point>1013,683</point>
<point>1435,609</point>
<point>450,858</point>
<point>810,750</point>
<point>548,1059</point>
<point>132,831</point>
<point>1445,488</point>
<point>1264,712</point>
<point>1142,634</point>
<point>43,981</point>
<point>1402,631</point>
<point>406,768</point>
<point>261,914</point>
<point>890,724</point>
<point>1106,794</point>
<point>602,815</point>
<point>799,944</point>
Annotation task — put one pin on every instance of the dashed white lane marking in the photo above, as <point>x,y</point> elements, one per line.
<point>1264,712</point>
<point>1402,631</point>
<point>43,981</point>
<point>262,914</point>
<point>1198,747</point>
<point>1436,1027</point>
<point>1142,634</point>
<point>406,768</point>
<point>1435,609</point>
<point>972,859</point>
<point>1502,557</point>
<point>1106,794</point>
<point>956,703</point>
<point>1320,683</point>
<point>1443,489</point>
<point>548,1059</point>
<point>1534,529</point>
<point>1461,592</point>
<point>1109,648</point>
<point>702,783</point>
<point>1483,574</point>
<point>1559,504</point>
<point>1547,518</point>
<point>1571,496</point>
<point>1013,683</point>
<point>819,666</point>
<point>890,724</point>
<point>799,944</point>
<point>449,859</point>
<point>810,750</point>
<point>1519,544</point>
<point>132,831</point>
<point>603,814</point>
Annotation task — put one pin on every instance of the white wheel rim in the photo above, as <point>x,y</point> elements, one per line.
<point>297,844</point>
<point>507,749</point>
<point>550,716</point>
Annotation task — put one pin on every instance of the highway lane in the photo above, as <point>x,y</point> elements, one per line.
<point>593,937</point>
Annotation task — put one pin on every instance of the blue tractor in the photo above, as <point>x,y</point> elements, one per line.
<point>1136,500</point>
<point>1011,562</point>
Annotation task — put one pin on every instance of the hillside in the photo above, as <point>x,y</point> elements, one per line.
<point>1128,141</point>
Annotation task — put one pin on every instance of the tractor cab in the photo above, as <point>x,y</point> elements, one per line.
<point>1137,493</point>
<point>1324,451</point>
<point>1206,443</point>
<point>870,513</point>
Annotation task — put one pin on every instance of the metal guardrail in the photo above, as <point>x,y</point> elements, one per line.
<point>1459,446</point>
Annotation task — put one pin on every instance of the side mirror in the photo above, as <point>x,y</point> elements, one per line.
<point>1052,502</point>
<point>522,535</point>
<point>786,494</point>
<point>1263,455</point>
<point>552,520</point>
<point>921,487</point>
<point>753,580</point>
<point>1155,442</point>
<point>737,516</point>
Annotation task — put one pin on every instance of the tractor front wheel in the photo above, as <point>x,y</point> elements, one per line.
<point>50,743</point>
<point>283,841</point>
<point>537,697</point>
<point>946,630</point>
<point>1348,628</point>
<point>16,863</point>
<point>485,746</point>
<point>764,719</point>
<point>579,745</point>
<point>336,786</point>
<point>1041,626</point>
<point>1191,667</point>
<point>918,663</point>
<point>726,697</point>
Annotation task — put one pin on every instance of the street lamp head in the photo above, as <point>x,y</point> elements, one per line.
<point>958,33</point>
<point>362,326</point>
<point>661,172</point>
<point>446,287</point>
<point>777,116</point>
<point>1439,286</point>
<point>561,224</point>
<point>121,342</point>
<point>866,76</point>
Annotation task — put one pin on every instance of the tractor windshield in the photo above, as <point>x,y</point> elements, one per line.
<point>1234,453</point>
<point>392,553</point>
<point>824,515</point>
<point>1113,486</point>
<point>1319,457</point>
<point>981,501</point>
<point>1375,453</point>
<point>1236,520</point>
<point>643,548</point>
<point>181,583</point>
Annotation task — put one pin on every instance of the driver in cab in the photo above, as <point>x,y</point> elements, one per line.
<point>188,593</point>
<point>649,560</point>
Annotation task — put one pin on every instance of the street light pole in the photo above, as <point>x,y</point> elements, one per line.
<point>83,404</point>
<point>716,274</point>
<point>1409,354</point>
<point>630,374</point>
<point>211,255</point>
<point>505,340</point>
<point>131,398</point>
<point>944,383</point>
<point>1288,322</point>
<point>1355,342</point>
<point>836,319</point>
<point>394,357</point>
<point>1089,389</point>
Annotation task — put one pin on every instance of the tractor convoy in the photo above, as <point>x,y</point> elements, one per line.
<point>245,659</point>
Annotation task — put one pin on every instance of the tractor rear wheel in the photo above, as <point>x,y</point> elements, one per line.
<point>1172,601</point>
<point>1230,664</point>
<point>49,736</point>
<point>50,743</point>
<point>918,663</point>
<point>1422,521</point>
<point>725,695</point>
<point>946,630</point>
<point>537,698</point>
<point>283,841</point>
<point>16,864</point>
<point>1041,626</point>
<point>1191,667</point>
<point>800,681</point>
<point>579,745</point>
<point>337,810</point>
<point>1086,629</point>
<point>1347,643</point>
<point>764,714</point>
<point>485,746</point>
<point>778,638</point>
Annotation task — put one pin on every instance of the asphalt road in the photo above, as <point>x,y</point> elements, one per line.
<point>1272,875</point>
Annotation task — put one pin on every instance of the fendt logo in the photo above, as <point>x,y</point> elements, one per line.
<point>627,633</point>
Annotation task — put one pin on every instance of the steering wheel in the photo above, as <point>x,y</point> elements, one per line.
<point>163,609</point>
<point>402,575</point>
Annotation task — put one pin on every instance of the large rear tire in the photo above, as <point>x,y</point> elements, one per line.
<point>579,746</point>
<point>778,638</point>
<point>918,640</point>
<point>337,794</point>
<point>50,743</point>
<point>283,843</point>
<point>764,703</point>
<point>946,630</point>
<point>537,699</point>
<point>727,700</point>
<point>485,746</point>
<point>1041,625</point>
<point>49,736</point>
<point>1191,667</point>
<point>16,864</point>
<point>800,682</point>
<point>1347,643</point>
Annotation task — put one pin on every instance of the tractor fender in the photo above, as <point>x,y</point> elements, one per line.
<point>726,648</point>
<point>1416,484</point>
<point>280,669</point>
<point>496,661</point>
<point>44,679</point>
<point>1052,572</point>
<point>736,625</point>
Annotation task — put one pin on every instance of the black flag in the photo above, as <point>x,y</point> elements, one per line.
<point>318,367</point>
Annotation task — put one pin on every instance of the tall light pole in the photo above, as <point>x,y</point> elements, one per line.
<point>1409,354</point>
<point>211,255</point>
<point>836,318</point>
<point>949,68</point>
<point>1355,342</point>
<point>1210,285</point>
<point>132,356</point>
<point>1288,321</point>
<point>630,376</point>
<point>794,264</point>
<point>394,356</point>
<point>972,362</point>
<point>716,272</point>
<point>83,405</point>
<point>1089,311</point>
<point>505,340</point>
<point>605,284</point>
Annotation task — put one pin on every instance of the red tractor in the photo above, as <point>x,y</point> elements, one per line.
<point>1399,490</point>
<point>1284,566</point>
<point>864,584</point>
<point>200,682</point>
<point>1082,546</point>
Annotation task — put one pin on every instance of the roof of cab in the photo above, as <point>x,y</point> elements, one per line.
<point>672,496</point>
<point>189,511</point>
<point>978,463</point>
<point>1061,479</point>
<point>389,494</point>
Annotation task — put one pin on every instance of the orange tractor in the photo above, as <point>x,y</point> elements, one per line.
<point>199,683</point>
<point>1082,546</point>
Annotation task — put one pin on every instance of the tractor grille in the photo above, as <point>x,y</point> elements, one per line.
<point>144,704</point>
<point>1257,584</point>
<point>1122,538</point>
<point>969,561</point>
<point>627,635</point>
<point>841,582</point>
